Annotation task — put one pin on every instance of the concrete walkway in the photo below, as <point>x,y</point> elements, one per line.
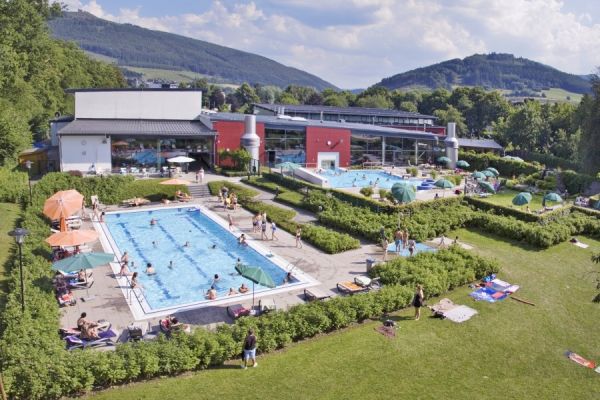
<point>109,302</point>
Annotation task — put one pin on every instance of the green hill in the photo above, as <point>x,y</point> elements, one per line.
<point>130,45</point>
<point>492,71</point>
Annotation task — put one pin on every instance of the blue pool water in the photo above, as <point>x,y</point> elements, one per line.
<point>420,247</point>
<point>195,265</point>
<point>363,178</point>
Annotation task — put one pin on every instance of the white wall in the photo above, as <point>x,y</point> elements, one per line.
<point>161,104</point>
<point>311,177</point>
<point>54,128</point>
<point>328,156</point>
<point>78,153</point>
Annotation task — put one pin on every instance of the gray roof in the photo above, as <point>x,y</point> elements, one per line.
<point>274,122</point>
<point>372,112</point>
<point>138,127</point>
<point>479,143</point>
<point>75,90</point>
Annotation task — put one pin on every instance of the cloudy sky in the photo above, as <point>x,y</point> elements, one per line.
<point>356,43</point>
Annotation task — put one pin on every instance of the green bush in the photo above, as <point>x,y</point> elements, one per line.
<point>413,171</point>
<point>383,193</point>
<point>576,182</point>
<point>366,191</point>
<point>13,186</point>
<point>546,217</point>
<point>481,161</point>
<point>433,174</point>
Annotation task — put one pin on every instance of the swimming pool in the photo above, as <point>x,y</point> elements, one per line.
<point>419,248</point>
<point>212,250</point>
<point>362,178</point>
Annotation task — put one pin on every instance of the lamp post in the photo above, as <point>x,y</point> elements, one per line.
<point>28,164</point>
<point>19,235</point>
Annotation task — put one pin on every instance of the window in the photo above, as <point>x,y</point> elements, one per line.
<point>283,145</point>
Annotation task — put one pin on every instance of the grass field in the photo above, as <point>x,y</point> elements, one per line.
<point>8,216</point>
<point>562,95</point>
<point>176,76</point>
<point>509,350</point>
<point>504,198</point>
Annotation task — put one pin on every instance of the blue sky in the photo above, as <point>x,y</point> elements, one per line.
<point>356,43</point>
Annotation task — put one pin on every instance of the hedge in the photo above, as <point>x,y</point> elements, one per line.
<point>546,217</point>
<point>575,182</point>
<point>508,168</point>
<point>549,160</point>
<point>325,239</point>
<point>13,186</point>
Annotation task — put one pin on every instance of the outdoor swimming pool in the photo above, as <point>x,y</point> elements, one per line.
<point>212,250</point>
<point>362,178</point>
<point>419,248</point>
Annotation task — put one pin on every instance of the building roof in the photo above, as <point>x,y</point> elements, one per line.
<point>138,127</point>
<point>75,90</point>
<point>63,118</point>
<point>479,143</point>
<point>372,112</point>
<point>274,122</point>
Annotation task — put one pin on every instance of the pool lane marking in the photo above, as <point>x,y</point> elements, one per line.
<point>185,255</point>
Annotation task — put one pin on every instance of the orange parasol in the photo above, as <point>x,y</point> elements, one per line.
<point>72,238</point>
<point>176,181</point>
<point>63,204</point>
<point>120,143</point>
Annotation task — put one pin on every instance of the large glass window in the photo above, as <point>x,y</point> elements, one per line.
<point>152,153</point>
<point>364,148</point>
<point>285,145</point>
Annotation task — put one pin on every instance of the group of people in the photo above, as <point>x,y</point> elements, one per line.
<point>402,241</point>
<point>229,199</point>
<point>260,224</point>
<point>88,329</point>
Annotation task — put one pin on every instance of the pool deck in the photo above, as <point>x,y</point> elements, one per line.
<point>110,304</point>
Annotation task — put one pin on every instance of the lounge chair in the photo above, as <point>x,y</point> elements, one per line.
<point>366,282</point>
<point>76,342</point>
<point>237,310</point>
<point>314,294</point>
<point>75,284</point>
<point>67,299</point>
<point>349,287</point>
<point>267,307</point>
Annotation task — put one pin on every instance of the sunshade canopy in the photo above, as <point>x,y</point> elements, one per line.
<point>554,197</point>
<point>521,199</point>
<point>462,164</point>
<point>403,192</point>
<point>443,160</point>
<point>478,175</point>
<point>444,184</point>
<point>82,261</point>
<point>63,204</point>
<point>72,238</point>
<point>487,186</point>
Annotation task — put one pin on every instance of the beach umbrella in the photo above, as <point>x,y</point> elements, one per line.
<point>554,197</point>
<point>521,199</point>
<point>444,184</point>
<point>120,143</point>
<point>63,204</point>
<point>181,160</point>
<point>82,261</point>
<point>257,275</point>
<point>176,181</point>
<point>487,186</point>
<point>494,170</point>
<point>443,160</point>
<point>404,192</point>
<point>488,173</point>
<point>72,238</point>
<point>462,164</point>
<point>477,175</point>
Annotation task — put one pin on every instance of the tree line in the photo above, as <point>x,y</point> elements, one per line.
<point>565,130</point>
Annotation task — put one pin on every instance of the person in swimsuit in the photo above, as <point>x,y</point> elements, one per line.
<point>418,301</point>
<point>299,237</point>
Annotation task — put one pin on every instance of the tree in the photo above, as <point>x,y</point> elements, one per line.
<point>436,100</point>
<point>374,101</point>
<point>287,98</point>
<point>590,129</point>
<point>451,114</point>
<point>14,135</point>
<point>596,259</point>
<point>525,127</point>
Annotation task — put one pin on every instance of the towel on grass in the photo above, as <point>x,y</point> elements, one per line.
<point>387,331</point>
<point>488,294</point>
<point>582,245</point>
<point>460,314</point>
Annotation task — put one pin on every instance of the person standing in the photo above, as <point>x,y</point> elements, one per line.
<point>273,229</point>
<point>299,237</point>
<point>263,230</point>
<point>230,218</point>
<point>385,244</point>
<point>418,301</point>
<point>398,239</point>
<point>201,175</point>
<point>197,176</point>
<point>250,349</point>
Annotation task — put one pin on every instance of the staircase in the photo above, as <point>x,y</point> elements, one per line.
<point>198,191</point>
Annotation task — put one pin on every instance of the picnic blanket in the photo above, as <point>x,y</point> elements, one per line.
<point>488,294</point>
<point>582,245</point>
<point>387,331</point>
<point>501,286</point>
<point>582,361</point>
<point>460,314</point>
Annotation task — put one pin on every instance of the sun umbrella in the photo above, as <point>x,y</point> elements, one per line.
<point>443,160</point>
<point>256,275</point>
<point>521,199</point>
<point>487,186</point>
<point>287,165</point>
<point>494,170</point>
<point>553,197</point>
<point>403,192</point>
<point>462,164</point>
<point>488,173</point>
<point>176,181</point>
<point>63,204</point>
<point>72,238</point>
<point>181,159</point>
<point>477,175</point>
<point>82,261</point>
<point>120,143</point>
<point>444,184</point>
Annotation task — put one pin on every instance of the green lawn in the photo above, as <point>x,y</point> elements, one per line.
<point>509,350</point>
<point>8,215</point>
<point>504,198</point>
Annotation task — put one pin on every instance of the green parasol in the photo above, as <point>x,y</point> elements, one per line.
<point>443,160</point>
<point>82,261</point>
<point>554,197</point>
<point>256,275</point>
<point>521,199</point>
<point>444,184</point>
<point>487,186</point>
<point>488,173</point>
<point>404,192</point>
<point>494,170</point>
<point>462,164</point>
<point>477,175</point>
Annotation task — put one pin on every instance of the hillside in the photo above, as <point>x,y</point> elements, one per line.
<point>492,71</point>
<point>130,45</point>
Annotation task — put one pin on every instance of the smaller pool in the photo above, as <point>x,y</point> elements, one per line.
<point>420,247</point>
<point>362,178</point>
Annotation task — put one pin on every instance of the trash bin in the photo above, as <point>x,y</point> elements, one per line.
<point>370,263</point>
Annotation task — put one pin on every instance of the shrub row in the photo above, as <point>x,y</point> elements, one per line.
<point>325,239</point>
<point>484,205</point>
<point>13,185</point>
<point>575,182</point>
<point>438,271</point>
<point>481,161</point>
<point>549,160</point>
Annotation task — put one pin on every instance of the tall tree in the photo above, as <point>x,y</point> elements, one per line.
<point>590,130</point>
<point>451,114</point>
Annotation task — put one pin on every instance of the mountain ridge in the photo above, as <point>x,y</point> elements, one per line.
<point>131,45</point>
<point>492,71</point>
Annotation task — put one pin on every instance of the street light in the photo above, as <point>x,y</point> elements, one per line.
<point>28,164</point>
<point>19,235</point>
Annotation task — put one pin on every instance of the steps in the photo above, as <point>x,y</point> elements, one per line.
<point>198,191</point>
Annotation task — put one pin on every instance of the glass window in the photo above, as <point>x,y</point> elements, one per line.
<point>283,145</point>
<point>365,148</point>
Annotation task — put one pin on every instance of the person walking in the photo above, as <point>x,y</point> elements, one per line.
<point>273,229</point>
<point>263,230</point>
<point>418,301</point>
<point>299,237</point>
<point>398,239</point>
<point>250,349</point>
<point>230,218</point>
<point>197,176</point>
<point>201,175</point>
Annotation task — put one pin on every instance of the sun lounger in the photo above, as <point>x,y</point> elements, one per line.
<point>75,284</point>
<point>366,282</point>
<point>67,299</point>
<point>76,342</point>
<point>349,287</point>
<point>237,310</point>
<point>313,294</point>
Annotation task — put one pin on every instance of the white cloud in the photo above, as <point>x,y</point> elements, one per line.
<point>356,43</point>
